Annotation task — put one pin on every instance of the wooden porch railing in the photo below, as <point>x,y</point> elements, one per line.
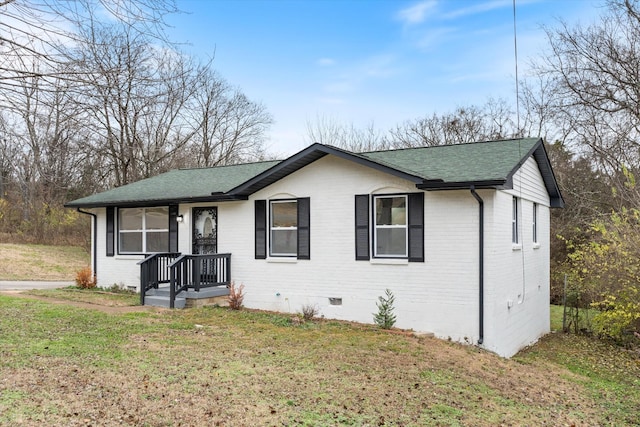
<point>154,270</point>
<point>197,272</point>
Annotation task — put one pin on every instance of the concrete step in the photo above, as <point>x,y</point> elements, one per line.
<point>160,292</point>
<point>163,301</point>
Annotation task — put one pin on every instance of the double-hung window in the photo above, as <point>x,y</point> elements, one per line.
<point>391,232</point>
<point>283,228</point>
<point>143,230</point>
<point>389,226</point>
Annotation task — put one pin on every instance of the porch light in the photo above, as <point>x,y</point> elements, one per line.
<point>180,218</point>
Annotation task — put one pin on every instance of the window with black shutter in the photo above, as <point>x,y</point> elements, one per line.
<point>393,222</point>
<point>283,227</point>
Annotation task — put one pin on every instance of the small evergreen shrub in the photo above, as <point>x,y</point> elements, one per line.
<point>236,296</point>
<point>85,279</point>
<point>385,317</point>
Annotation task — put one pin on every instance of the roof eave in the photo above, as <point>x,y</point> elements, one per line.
<point>155,202</point>
<point>434,185</point>
<point>541,157</point>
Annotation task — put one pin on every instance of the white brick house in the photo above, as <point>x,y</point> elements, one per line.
<point>459,233</point>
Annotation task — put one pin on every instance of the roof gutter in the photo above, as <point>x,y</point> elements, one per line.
<point>481,265</point>
<point>438,184</point>
<point>94,239</point>
<point>215,197</point>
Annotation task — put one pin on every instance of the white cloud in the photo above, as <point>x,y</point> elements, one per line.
<point>326,62</point>
<point>434,37</point>
<point>478,8</point>
<point>380,66</point>
<point>417,13</point>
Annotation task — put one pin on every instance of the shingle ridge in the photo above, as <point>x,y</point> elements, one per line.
<point>228,166</point>
<point>446,145</point>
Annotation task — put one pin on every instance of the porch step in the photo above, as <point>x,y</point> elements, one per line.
<point>163,301</point>
<point>187,299</point>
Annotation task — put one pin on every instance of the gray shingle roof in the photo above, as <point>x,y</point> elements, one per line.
<point>488,164</point>
<point>180,185</point>
<point>480,161</point>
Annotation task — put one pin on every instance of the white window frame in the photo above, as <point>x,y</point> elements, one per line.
<point>143,230</point>
<point>404,226</point>
<point>515,234</point>
<point>535,224</point>
<point>272,228</point>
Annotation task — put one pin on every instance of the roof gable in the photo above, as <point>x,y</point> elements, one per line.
<point>310,155</point>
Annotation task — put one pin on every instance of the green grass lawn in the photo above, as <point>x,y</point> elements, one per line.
<point>62,365</point>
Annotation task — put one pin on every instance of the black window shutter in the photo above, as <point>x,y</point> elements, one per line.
<point>416,227</point>
<point>362,227</point>
<point>304,208</point>
<point>173,228</point>
<point>261,229</point>
<point>110,230</point>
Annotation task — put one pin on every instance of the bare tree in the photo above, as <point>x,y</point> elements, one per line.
<point>494,120</point>
<point>135,99</point>
<point>40,32</point>
<point>330,132</point>
<point>595,88</point>
<point>229,128</point>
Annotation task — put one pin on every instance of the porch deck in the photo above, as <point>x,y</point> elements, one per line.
<point>178,281</point>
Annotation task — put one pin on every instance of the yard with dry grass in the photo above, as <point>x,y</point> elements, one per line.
<point>97,362</point>
<point>41,262</point>
<point>71,357</point>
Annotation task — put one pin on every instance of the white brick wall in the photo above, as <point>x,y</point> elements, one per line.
<point>439,295</point>
<point>517,303</point>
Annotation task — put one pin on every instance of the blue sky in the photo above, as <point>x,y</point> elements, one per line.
<point>368,61</point>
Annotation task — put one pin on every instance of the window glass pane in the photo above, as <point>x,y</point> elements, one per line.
<point>130,242</point>
<point>391,241</point>
<point>157,218</point>
<point>284,242</point>
<point>391,211</point>
<point>130,219</point>
<point>157,241</point>
<point>284,214</point>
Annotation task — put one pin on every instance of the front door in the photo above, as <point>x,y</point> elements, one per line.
<point>205,230</point>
